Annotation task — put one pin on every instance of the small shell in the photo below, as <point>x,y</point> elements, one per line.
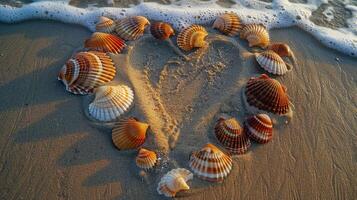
<point>146,159</point>
<point>105,25</point>
<point>228,24</point>
<point>110,102</point>
<point>131,28</point>
<point>210,163</point>
<point>86,71</point>
<point>267,94</point>
<point>129,133</point>
<point>104,42</point>
<point>272,62</point>
<point>259,128</point>
<point>174,181</point>
<point>191,37</point>
<point>161,30</point>
<point>256,34</point>
<point>281,49</point>
<point>230,134</point>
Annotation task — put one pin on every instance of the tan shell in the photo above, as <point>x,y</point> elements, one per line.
<point>174,181</point>
<point>191,37</point>
<point>256,34</point>
<point>282,50</point>
<point>131,28</point>
<point>228,24</point>
<point>161,30</point>
<point>146,159</point>
<point>104,42</point>
<point>105,25</point>
<point>272,62</point>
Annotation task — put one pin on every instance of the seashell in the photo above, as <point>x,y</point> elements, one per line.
<point>146,159</point>
<point>131,28</point>
<point>230,134</point>
<point>265,93</point>
<point>272,62</point>
<point>174,181</point>
<point>259,128</point>
<point>283,50</point>
<point>210,163</point>
<point>228,24</point>
<point>105,25</point>
<point>86,71</point>
<point>104,42</point>
<point>110,102</point>
<point>129,133</point>
<point>256,34</point>
<point>161,30</point>
<point>191,37</point>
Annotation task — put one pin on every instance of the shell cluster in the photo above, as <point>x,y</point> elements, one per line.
<point>131,28</point>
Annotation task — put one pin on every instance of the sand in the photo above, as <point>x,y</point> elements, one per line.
<point>49,149</point>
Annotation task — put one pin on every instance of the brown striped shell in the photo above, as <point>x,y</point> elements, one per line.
<point>146,159</point>
<point>259,128</point>
<point>86,71</point>
<point>267,94</point>
<point>256,34</point>
<point>210,163</point>
<point>161,30</point>
<point>228,24</point>
<point>129,133</point>
<point>191,37</point>
<point>105,25</point>
<point>131,28</point>
<point>272,62</point>
<point>104,42</point>
<point>174,181</point>
<point>230,134</point>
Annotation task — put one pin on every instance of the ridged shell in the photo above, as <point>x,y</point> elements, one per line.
<point>230,134</point>
<point>129,133</point>
<point>259,128</point>
<point>256,34</point>
<point>281,49</point>
<point>228,24</point>
<point>174,181</point>
<point>131,28</point>
<point>86,71</point>
<point>161,30</point>
<point>146,159</point>
<point>267,94</point>
<point>105,25</point>
<point>104,42</point>
<point>210,163</point>
<point>110,102</point>
<point>272,62</point>
<point>191,37</point>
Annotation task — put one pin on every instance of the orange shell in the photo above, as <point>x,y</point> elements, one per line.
<point>256,34</point>
<point>272,62</point>
<point>281,49</point>
<point>228,24</point>
<point>104,42</point>
<point>86,71</point>
<point>267,94</point>
<point>131,28</point>
<point>105,25</point>
<point>191,37</point>
<point>161,30</point>
<point>129,134</point>
<point>146,159</point>
<point>259,128</point>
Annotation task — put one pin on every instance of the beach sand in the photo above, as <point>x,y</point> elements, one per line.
<point>49,149</point>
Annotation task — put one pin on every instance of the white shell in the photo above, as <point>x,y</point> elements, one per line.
<point>272,62</point>
<point>174,181</point>
<point>110,102</point>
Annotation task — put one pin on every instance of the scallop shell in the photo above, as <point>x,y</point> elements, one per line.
<point>228,24</point>
<point>86,71</point>
<point>230,134</point>
<point>174,181</point>
<point>131,28</point>
<point>267,94</point>
<point>104,42</point>
<point>281,49</point>
<point>110,102</point>
<point>272,62</point>
<point>105,25</point>
<point>191,37</point>
<point>259,128</point>
<point>146,159</point>
<point>129,133</point>
<point>256,34</point>
<point>210,163</point>
<point>161,30</point>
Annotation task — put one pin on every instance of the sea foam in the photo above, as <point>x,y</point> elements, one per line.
<point>278,14</point>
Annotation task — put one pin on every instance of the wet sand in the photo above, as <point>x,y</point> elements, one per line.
<point>50,150</point>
